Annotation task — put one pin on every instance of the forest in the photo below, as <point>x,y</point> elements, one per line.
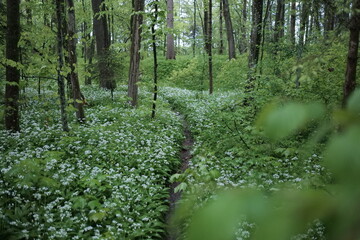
<point>179,119</point>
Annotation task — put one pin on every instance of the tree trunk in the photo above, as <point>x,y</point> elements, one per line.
<point>350,77</point>
<point>293,21</point>
<point>60,78</point>
<point>303,22</point>
<point>153,32</point>
<point>170,48</point>
<point>244,42</point>
<point>329,18</point>
<point>211,84</point>
<point>194,31</point>
<point>12,88</point>
<point>255,33</point>
<point>221,14</point>
<point>229,30</point>
<point>135,22</point>
<point>76,93</point>
<point>279,21</point>
<point>101,33</point>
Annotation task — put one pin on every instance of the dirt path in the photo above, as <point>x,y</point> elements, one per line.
<point>185,156</point>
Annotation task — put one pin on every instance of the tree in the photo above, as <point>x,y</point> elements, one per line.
<point>101,33</point>
<point>60,78</point>
<point>170,47</point>
<point>293,21</point>
<point>221,14</point>
<point>255,33</point>
<point>350,77</point>
<point>135,23</point>
<point>229,30</point>
<point>279,21</point>
<point>153,33</point>
<point>76,93</point>
<point>12,88</point>
<point>244,41</point>
<point>208,40</point>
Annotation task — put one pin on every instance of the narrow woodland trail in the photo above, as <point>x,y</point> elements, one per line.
<point>185,156</point>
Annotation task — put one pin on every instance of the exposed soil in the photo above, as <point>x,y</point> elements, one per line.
<point>185,156</point>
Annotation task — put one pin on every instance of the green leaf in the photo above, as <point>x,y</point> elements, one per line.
<point>181,187</point>
<point>94,204</point>
<point>286,120</point>
<point>79,203</point>
<point>95,217</point>
<point>353,103</point>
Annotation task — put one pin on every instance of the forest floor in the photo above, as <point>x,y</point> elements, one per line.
<point>174,197</point>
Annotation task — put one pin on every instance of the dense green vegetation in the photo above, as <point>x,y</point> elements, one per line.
<point>96,96</point>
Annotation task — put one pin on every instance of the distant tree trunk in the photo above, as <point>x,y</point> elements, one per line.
<point>255,33</point>
<point>170,48</point>
<point>267,12</point>
<point>211,84</point>
<point>221,11</point>
<point>12,88</point>
<point>329,18</point>
<point>208,39</point>
<point>60,78</point>
<point>293,21</point>
<point>153,32</point>
<point>101,33</point>
<point>135,22</point>
<point>350,77</point>
<point>303,22</point>
<point>279,21</point>
<point>244,42</point>
<point>205,28</point>
<point>194,31</point>
<point>76,93</point>
<point>229,30</point>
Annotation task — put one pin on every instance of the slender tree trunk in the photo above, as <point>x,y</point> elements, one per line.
<point>293,21</point>
<point>221,14</point>
<point>255,33</point>
<point>229,30</point>
<point>303,21</point>
<point>267,11</point>
<point>60,78</point>
<point>12,88</point>
<point>153,32</point>
<point>194,31</point>
<point>329,18</point>
<point>279,21</point>
<point>206,25</point>
<point>136,21</point>
<point>244,42</point>
<point>170,49</point>
<point>211,84</point>
<point>76,93</point>
<point>350,77</point>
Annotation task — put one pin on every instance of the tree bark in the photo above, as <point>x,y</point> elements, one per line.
<point>153,32</point>
<point>350,76</point>
<point>221,14</point>
<point>211,84</point>
<point>60,78</point>
<point>194,31</point>
<point>136,21</point>
<point>101,33</point>
<point>76,93</point>
<point>279,21</point>
<point>244,42</point>
<point>229,30</point>
<point>293,21</point>
<point>170,48</point>
<point>255,33</point>
<point>12,88</point>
